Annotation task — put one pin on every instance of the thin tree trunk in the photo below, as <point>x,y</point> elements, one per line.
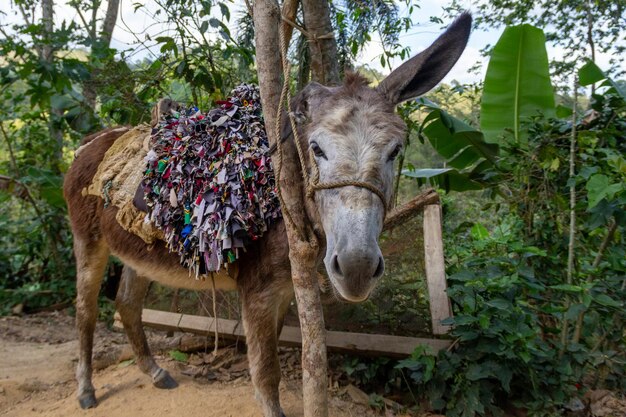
<point>323,46</point>
<point>572,217</point>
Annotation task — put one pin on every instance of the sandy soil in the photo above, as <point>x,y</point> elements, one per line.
<point>38,355</point>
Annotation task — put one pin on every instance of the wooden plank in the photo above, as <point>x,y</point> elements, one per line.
<point>359,343</point>
<point>435,269</point>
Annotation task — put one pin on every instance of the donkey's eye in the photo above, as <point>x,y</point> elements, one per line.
<point>395,153</point>
<point>317,150</point>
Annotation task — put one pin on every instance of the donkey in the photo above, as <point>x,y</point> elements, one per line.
<point>353,133</point>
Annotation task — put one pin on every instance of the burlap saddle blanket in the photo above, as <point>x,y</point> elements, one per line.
<point>118,180</point>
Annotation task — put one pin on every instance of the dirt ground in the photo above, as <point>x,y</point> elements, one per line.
<point>38,355</point>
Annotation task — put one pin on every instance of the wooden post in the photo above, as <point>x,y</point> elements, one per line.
<point>435,268</point>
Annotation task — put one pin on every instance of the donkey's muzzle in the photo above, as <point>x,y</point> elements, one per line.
<point>356,273</point>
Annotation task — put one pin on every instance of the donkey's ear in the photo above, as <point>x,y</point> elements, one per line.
<point>422,72</point>
<point>309,98</point>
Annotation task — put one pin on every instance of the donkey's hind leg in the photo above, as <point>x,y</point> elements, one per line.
<point>91,260</point>
<point>129,303</point>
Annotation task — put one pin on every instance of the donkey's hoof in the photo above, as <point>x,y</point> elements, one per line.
<point>87,400</point>
<point>163,380</point>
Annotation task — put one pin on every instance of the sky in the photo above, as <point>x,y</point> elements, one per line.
<point>420,36</point>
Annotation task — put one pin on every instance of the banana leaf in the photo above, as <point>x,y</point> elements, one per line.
<point>517,85</point>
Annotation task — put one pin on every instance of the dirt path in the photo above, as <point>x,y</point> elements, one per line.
<point>38,355</point>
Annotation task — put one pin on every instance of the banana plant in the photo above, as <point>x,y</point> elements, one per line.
<point>517,86</point>
<point>469,158</point>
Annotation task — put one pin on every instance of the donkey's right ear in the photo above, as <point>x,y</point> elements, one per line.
<point>422,72</point>
<point>309,98</point>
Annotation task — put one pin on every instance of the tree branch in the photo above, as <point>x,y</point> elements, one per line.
<point>405,212</point>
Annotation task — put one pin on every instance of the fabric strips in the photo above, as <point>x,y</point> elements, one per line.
<point>209,184</point>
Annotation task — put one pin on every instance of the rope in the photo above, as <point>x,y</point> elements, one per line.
<point>311,184</point>
<point>215,319</point>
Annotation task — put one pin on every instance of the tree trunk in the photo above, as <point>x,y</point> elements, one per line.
<point>303,250</point>
<point>90,90</point>
<point>47,16</point>
<point>109,22</point>
<point>266,22</point>
<point>46,53</point>
<point>322,43</point>
<point>304,58</point>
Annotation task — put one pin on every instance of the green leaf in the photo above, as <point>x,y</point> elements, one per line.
<point>476,371</point>
<point>589,74</point>
<point>425,172</point>
<point>178,355</point>
<point>598,188</point>
<point>567,288</point>
<point>225,11</point>
<point>607,301</point>
<point>126,363</point>
<point>479,232</point>
<point>500,304</point>
<point>450,136</point>
<point>517,84</point>
<point>563,112</point>
<point>448,179</point>
<point>53,196</point>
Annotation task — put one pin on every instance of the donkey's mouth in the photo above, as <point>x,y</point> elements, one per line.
<point>329,294</point>
<point>337,296</point>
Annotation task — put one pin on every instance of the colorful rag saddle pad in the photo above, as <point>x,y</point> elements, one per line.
<point>209,184</point>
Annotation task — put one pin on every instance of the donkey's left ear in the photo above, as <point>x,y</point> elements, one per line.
<point>422,72</point>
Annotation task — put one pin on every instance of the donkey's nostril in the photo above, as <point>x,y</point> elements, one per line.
<point>336,267</point>
<point>380,268</point>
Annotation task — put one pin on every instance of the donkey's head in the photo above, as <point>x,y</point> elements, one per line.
<point>354,135</point>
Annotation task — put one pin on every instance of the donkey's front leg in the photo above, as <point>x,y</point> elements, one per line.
<point>129,303</point>
<point>262,312</point>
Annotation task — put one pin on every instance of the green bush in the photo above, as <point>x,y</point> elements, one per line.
<point>502,351</point>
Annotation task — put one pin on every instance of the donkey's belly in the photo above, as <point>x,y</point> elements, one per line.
<point>178,276</point>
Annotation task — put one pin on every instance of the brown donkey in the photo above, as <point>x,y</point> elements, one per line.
<point>353,133</point>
